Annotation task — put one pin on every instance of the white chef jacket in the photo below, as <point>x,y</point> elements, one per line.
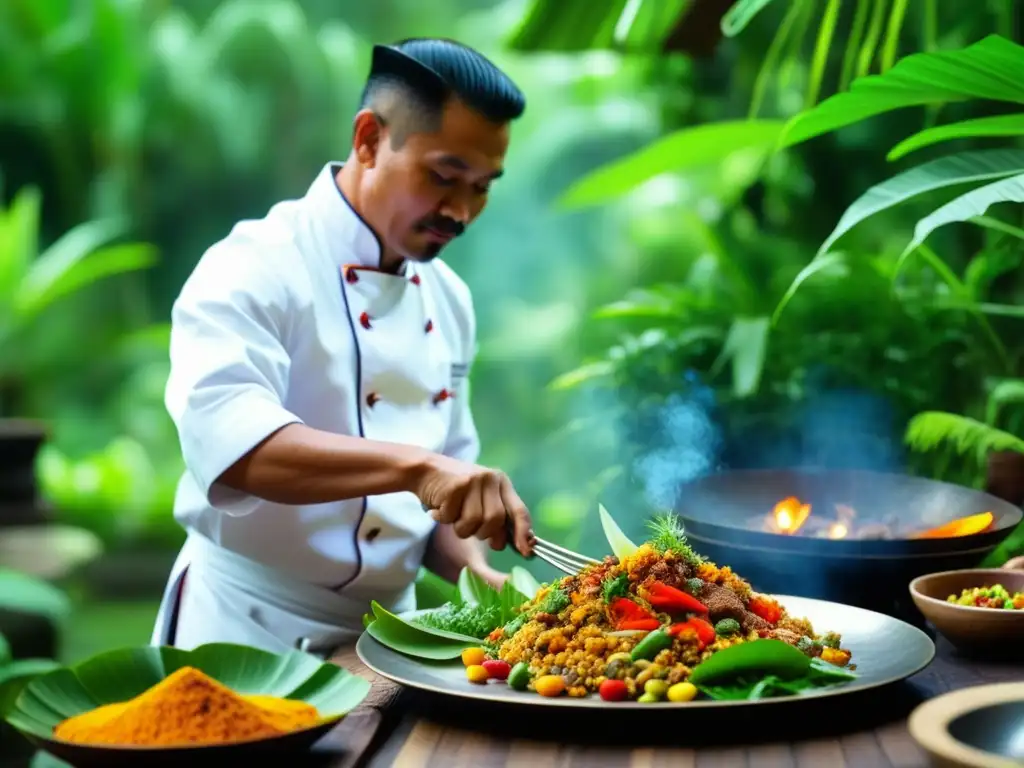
<point>286,320</point>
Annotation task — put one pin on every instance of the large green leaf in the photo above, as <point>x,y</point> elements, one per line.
<point>967,206</point>
<point>19,241</point>
<point>568,25</point>
<point>17,674</point>
<point>939,173</point>
<point>825,263</point>
<point>618,542</point>
<point>996,125</point>
<point>746,345</point>
<point>25,594</point>
<point>54,280</point>
<point>989,69</point>
<point>930,429</point>
<point>120,675</point>
<point>474,590</point>
<point>681,150</point>
<point>741,14</point>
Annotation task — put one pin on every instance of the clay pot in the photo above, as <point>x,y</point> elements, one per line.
<point>1005,476</point>
<point>20,441</point>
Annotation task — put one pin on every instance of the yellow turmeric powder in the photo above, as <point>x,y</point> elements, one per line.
<point>188,708</point>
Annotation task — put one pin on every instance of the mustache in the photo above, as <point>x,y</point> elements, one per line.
<point>444,225</point>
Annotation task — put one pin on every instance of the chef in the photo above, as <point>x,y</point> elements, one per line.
<point>319,364</point>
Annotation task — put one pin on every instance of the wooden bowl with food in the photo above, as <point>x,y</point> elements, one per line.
<point>978,609</point>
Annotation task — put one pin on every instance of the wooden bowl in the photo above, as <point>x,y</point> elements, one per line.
<point>978,727</point>
<point>968,628</point>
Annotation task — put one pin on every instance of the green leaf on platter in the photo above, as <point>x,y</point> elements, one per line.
<point>764,657</point>
<point>948,171</point>
<point>987,69</point>
<point>432,591</point>
<point>688,148</point>
<point>474,590</point>
<point>740,15</point>
<point>524,581</point>
<point>996,125</point>
<point>618,542</point>
<point>26,594</point>
<point>406,638</point>
<point>384,618</point>
<point>967,206</point>
<point>511,600</point>
<point>120,675</point>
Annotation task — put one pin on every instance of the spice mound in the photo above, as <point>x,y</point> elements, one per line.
<point>188,708</point>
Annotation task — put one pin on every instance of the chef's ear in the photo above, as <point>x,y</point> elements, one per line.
<point>367,136</point>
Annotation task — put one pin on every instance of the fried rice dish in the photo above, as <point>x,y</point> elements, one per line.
<point>652,616</point>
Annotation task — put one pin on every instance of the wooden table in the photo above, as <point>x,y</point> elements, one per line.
<point>411,729</point>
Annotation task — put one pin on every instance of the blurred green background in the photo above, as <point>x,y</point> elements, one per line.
<point>654,300</point>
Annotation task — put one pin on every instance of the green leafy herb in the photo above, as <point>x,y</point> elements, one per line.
<point>616,587</point>
<point>667,533</point>
<point>695,585</point>
<point>473,620</point>
<point>553,602</point>
<point>830,640</point>
<point>727,627</point>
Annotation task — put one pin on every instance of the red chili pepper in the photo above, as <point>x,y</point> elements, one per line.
<point>767,609</point>
<point>665,598</point>
<point>648,625</point>
<point>623,610</point>
<point>704,632</point>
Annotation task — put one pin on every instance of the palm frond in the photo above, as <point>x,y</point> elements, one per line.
<point>931,429</point>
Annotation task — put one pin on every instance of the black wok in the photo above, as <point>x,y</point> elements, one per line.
<point>722,513</point>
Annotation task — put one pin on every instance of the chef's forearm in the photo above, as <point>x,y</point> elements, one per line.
<point>447,554</point>
<point>302,465</point>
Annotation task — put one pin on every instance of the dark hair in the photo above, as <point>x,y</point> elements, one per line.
<point>429,70</point>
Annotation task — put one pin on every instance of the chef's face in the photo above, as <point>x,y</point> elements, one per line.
<point>432,185</point>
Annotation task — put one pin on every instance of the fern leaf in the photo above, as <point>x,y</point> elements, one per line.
<point>930,429</point>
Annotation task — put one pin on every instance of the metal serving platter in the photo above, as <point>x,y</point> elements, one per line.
<point>885,650</point>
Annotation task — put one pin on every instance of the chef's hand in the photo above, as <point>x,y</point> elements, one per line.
<point>475,501</point>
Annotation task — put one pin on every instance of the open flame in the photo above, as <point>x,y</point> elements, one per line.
<point>791,516</point>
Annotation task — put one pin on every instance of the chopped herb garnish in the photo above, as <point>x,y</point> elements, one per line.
<point>667,533</point>
<point>617,587</point>
<point>695,585</point>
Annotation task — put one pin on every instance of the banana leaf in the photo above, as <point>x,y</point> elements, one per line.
<point>120,675</point>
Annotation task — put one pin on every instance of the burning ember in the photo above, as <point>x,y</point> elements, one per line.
<point>791,517</point>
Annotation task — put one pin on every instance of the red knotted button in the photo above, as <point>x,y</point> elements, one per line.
<point>429,326</point>
<point>351,275</point>
<point>415,279</point>
<point>372,399</point>
<point>364,320</point>
<point>443,395</point>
